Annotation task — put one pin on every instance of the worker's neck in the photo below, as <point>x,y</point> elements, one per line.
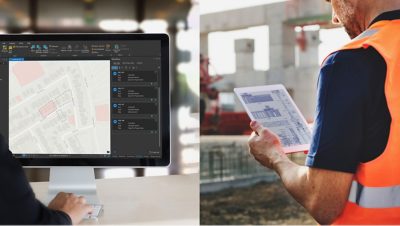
<point>383,6</point>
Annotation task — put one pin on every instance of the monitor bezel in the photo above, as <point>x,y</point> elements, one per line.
<point>165,101</point>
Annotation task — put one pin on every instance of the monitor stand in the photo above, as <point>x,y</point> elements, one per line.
<point>77,180</point>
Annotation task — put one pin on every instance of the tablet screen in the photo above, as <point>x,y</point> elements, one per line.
<point>273,107</point>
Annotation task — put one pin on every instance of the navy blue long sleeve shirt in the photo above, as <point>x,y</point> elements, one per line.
<point>352,122</point>
<point>18,204</point>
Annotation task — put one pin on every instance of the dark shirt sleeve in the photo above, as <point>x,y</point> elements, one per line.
<point>344,116</point>
<point>18,204</point>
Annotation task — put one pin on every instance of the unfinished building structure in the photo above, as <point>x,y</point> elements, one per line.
<point>281,18</point>
<point>294,62</point>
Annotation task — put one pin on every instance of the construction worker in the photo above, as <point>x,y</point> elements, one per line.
<point>352,171</point>
<point>206,91</point>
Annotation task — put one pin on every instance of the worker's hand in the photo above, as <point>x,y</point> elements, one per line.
<point>264,145</point>
<point>72,205</point>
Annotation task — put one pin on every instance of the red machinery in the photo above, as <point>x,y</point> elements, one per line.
<point>215,121</point>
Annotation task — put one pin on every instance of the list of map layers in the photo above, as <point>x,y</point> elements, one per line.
<point>142,77</point>
<point>147,94</point>
<point>135,106</point>
<point>150,125</point>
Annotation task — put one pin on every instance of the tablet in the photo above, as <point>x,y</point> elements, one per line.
<point>273,107</point>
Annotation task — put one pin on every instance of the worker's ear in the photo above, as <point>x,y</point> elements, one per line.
<point>335,19</point>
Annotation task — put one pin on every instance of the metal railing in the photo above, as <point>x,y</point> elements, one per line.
<point>226,158</point>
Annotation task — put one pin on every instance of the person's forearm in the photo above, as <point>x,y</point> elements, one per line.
<point>294,178</point>
<point>298,183</point>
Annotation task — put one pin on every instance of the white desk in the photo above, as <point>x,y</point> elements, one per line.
<point>167,200</point>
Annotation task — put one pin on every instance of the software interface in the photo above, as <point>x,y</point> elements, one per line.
<point>81,98</point>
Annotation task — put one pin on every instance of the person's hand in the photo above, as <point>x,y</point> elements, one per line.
<point>72,205</point>
<point>264,145</point>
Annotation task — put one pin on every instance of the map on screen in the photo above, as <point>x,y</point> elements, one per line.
<point>59,106</point>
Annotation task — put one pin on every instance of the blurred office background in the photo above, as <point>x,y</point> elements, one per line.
<point>253,43</point>
<point>178,18</point>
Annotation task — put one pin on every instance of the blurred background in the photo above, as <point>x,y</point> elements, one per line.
<point>253,43</point>
<point>178,18</point>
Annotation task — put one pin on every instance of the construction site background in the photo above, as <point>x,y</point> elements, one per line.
<point>266,43</point>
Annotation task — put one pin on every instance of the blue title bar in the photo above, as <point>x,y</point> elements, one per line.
<point>17,59</point>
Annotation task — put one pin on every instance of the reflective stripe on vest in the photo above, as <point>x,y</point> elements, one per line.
<point>366,34</point>
<point>374,197</point>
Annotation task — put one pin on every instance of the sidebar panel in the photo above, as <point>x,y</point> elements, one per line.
<point>4,97</point>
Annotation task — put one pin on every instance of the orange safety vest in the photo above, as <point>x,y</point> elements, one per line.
<point>375,192</point>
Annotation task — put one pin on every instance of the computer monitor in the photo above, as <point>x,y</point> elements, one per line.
<point>73,102</point>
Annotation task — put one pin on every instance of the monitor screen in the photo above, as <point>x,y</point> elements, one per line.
<point>85,97</point>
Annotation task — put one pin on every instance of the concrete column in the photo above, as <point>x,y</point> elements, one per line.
<point>204,44</point>
<point>244,49</point>
<point>245,74</point>
<point>310,56</point>
<point>305,81</point>
<point>282,50</point>
<point>282,43</point>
